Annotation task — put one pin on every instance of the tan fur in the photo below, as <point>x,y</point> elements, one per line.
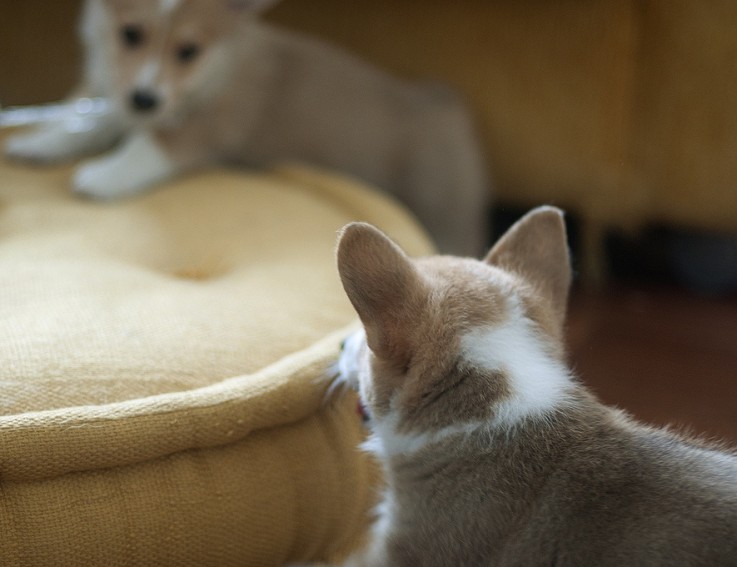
<point>407,328</point>
<point>569,483</point>
<point>256,95</point>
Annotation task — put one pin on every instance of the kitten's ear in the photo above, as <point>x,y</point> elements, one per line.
<point>536,249</point>
<point>252,6</point>
<point>383,285</point>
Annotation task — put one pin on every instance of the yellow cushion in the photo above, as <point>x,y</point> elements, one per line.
<point>162,370</point>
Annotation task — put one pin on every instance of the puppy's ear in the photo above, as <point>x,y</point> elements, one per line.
<point>535,248</point>
<point>251,6</point>
<point>384,287</point>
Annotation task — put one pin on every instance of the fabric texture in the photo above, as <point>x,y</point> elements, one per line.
<point>163,364</point>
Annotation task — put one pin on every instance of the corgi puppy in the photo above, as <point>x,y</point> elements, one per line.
<point>194,82</point>
<point>494,454</point>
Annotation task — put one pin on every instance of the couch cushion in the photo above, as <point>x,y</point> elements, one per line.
<point>162,370</point>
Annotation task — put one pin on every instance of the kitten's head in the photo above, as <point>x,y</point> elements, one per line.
<point>166,56</point>
<point>447,341</point>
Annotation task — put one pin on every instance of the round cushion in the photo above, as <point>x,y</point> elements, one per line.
<point>163,366</point>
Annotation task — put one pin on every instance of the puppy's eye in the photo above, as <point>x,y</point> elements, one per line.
<point>132,35</point>
<point>188,52</point>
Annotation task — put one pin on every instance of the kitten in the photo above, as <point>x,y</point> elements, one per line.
<point>494,455</point>
<point>197,82</point>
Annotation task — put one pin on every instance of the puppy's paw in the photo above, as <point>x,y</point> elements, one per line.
<point>44,146</point>
<point>133,168</point>
<point>93,179</point>
<point>103,179</point>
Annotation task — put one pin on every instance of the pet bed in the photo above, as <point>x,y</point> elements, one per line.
<point>162,365</point>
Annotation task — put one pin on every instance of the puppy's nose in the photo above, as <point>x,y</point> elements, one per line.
<point>143,101</point>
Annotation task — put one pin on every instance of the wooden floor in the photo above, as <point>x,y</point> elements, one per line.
<point>666,356</point>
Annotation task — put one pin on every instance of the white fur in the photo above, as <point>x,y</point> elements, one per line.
<point>349,363</point>
<point>138,163</point>
<point>386,441</point>
<point>539,383</point>
<point>63,139</point>
<point>148,73</point>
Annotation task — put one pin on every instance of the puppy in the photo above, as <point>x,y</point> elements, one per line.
<point>195,82</point>
<point>494,455</point>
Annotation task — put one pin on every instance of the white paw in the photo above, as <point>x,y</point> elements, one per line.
<point>99,179</point>
<point>137,165</point>
<point>53,142</point>
<point>39,146</point>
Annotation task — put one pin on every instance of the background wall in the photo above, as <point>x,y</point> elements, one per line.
<point>39,54</point>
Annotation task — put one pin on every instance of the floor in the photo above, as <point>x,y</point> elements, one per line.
<point>664,354</point>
